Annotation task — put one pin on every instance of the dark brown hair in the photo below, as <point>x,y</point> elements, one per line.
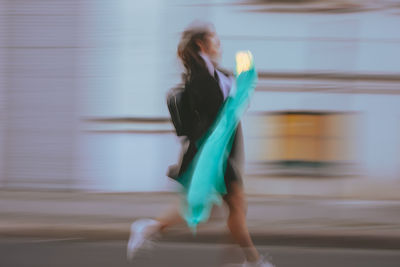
<point>188,48</point>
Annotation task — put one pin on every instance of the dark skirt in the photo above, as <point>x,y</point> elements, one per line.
<point>234,166</point>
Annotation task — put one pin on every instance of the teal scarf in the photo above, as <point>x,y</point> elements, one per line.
<point>204,179</point>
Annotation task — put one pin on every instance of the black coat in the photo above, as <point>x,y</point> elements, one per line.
<point>204,97</point>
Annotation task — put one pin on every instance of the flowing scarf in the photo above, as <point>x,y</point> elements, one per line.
<point>205,184</point>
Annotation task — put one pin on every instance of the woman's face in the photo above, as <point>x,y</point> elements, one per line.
<point>213,47</point>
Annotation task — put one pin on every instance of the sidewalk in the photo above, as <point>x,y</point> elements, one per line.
<point>271,221</point>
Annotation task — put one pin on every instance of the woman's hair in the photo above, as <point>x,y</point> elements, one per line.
<point>188,47</point>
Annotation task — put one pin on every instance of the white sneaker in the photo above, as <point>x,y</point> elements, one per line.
<point>141,232</point>
<point>263,262</point>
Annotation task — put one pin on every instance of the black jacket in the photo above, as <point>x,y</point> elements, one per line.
<point>205,99</point>
<point>204,96</point>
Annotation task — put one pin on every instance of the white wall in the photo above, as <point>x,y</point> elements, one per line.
<point>2,89</point>
<point>41,51</point>
<point>72,59</point>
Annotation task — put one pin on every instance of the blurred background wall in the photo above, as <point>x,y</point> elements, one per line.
<point>39,48</point>
<point>83,87</point>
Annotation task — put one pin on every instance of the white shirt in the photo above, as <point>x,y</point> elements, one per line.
<point>225,82</point>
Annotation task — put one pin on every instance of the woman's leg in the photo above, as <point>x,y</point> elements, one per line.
<point>170,218</point>
<point>237,205</point>
<point>144,229</point>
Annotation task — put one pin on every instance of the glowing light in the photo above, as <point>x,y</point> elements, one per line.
<point>244,61</point>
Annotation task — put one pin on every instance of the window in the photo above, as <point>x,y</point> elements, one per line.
<point>301,143</point>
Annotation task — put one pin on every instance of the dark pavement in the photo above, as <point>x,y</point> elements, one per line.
<point>77,253</point>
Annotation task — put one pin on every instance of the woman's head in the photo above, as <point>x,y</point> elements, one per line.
<point>195,39</point>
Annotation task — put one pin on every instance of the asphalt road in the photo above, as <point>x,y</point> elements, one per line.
<point>75,252</point>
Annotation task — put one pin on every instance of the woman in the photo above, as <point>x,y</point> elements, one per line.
<point>206,88</point>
